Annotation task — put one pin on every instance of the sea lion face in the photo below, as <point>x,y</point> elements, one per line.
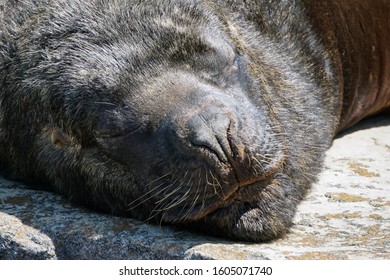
<point>164,113</point>
<point>187,129</point>
<point>192,137</point>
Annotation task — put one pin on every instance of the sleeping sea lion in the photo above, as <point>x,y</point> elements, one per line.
<point>213,114</point>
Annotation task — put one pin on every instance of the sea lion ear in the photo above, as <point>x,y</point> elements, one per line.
<point>58,137</point>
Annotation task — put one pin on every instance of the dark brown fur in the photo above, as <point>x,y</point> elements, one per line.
<point>212,114</point>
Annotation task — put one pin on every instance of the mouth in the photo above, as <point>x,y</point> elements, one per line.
<point>246,192</point>
<point>204,184</point>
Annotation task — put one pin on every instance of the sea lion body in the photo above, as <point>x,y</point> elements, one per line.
<point>356,35</point>
<point>212,114</point>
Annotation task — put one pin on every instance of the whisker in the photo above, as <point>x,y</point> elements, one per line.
<point>169,204</point>
<point>218,184</point>
<point>105,103</point>
<point>141,199</point>
<point>191,208</point>
<point>147,193</point>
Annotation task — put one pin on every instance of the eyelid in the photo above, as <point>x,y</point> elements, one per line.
<point>115,133</point>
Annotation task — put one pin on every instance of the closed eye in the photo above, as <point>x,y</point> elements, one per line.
<point>112,133</point>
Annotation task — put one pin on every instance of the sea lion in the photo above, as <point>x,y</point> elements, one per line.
<point>213,114</point>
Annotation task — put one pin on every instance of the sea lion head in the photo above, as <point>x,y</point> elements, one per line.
<point>164,113</point>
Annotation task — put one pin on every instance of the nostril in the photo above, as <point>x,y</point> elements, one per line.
<point>209,130</point>
<point>211,144</point>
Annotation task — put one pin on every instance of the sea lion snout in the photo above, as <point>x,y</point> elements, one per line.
<point>214,134</point>
<point>209,130</point>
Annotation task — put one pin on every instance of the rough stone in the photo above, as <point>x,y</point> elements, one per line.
<point>346,216</point>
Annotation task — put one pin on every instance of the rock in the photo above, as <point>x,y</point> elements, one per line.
<point>20,241</point>
<point>346,216</point>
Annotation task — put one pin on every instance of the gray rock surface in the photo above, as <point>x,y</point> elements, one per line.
<point>346,216</point>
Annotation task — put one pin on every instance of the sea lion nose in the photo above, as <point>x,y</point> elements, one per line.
<point>209,130</point>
